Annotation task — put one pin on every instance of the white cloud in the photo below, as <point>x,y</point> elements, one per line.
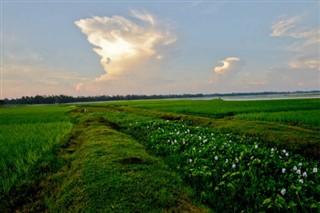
<point>282,27</point>
<point>306,42</point>
<point>124,45</point>
<point>146,17</point>
<point>227,65</point>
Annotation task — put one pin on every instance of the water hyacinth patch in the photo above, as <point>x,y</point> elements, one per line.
<point>235,172</point>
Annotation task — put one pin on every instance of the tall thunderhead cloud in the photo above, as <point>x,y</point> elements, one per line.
<point>123,43</point>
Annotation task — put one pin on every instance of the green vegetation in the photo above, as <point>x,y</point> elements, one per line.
<point>26,134</point>
<point>236,173</point>
<point>219,109</point>
<point>295,132</point>
<point>109,171</point>
<point>308,118</point>
<point>161,156</point>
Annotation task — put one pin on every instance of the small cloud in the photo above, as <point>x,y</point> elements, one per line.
<point>282,27</point>
<point>145,17</point>
<point>227,64</point>
<point>298,63</point>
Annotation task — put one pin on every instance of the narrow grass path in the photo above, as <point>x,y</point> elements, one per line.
<point>108,171</point>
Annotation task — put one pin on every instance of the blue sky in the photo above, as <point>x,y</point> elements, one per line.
<point>81,48</point>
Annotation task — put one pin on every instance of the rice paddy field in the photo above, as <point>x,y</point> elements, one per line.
<point>162,156</point>
<point>26,134</point>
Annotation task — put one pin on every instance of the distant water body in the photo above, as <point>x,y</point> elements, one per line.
<point>260,97</point>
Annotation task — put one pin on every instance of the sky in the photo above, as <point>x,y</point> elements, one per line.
<point>83,48</point>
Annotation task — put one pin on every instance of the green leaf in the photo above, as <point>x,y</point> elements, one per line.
<point>225,175</point>
<point>292,204</point>
<point>315,205</point>
<point>230,185</point>
<point>266,201</point>
<point>281,199</point>
<point>234,174</point>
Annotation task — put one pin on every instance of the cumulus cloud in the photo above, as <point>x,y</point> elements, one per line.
<point>307,40</point>
<point>125,44</point>
<point>227,65</point>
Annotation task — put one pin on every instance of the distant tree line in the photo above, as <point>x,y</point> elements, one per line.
<point>59,99</point>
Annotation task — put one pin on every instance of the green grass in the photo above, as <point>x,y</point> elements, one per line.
<point>33,114</point>
<point>26,135</point>
<point>219,109</point>
<point>112,172</point>
<point>94,169</point>
<point>300,138</point>
<point>104,170</point>
<point>132,156</point>
<point>308,118</point>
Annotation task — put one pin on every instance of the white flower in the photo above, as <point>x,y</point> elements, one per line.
<point>256,146</point>
<point>301,181</point>
<point>298,171</point>
<point>272,150</point>
<point>300,164</point>
<point>194,148</point>
<point>178,132</point>
<point>200,150</point>
<point>216,158</point>
<point>287,154</point>
<point>295,168</point>
<point>304,174</point>
<point>284,151</point>
<point>175,140</point>
<point>227,160</point>
<point>233,166</point>
<point>283,191</point>
<point>237,160</point>
<point>190,160</point>
<point>283,170</point>
<point>315,170</point>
